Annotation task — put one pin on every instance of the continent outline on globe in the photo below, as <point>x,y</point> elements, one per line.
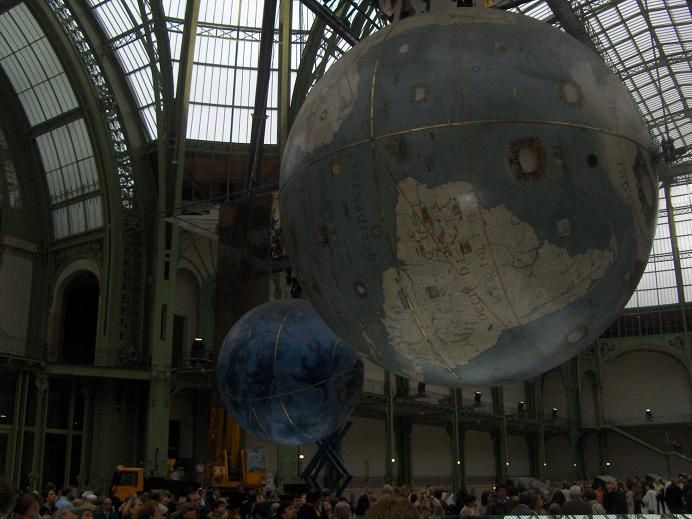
<point>558,154</point>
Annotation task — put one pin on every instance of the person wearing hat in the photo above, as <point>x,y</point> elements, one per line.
<point>311,508</point>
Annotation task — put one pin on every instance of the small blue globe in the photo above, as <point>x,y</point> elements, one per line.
<point>285,376</point>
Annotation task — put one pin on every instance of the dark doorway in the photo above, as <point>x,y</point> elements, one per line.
<point>174,427</point>
<point>178,340</point>
<point>80,311</point>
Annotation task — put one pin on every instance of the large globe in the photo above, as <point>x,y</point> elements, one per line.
<point>285,376</point>
<point>467,197</point>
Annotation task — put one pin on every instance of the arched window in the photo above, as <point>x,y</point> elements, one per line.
<point>80,316</point>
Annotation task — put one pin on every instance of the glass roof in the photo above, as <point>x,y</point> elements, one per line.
<point>40,82</point>
<point>648,44</point>
<point>33,68</point>
<point>226,59</point>
<point>128,30</point>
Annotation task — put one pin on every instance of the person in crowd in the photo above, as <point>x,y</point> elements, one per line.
<point>589,496</point>
<point>485,501</point>
<point>286,511</point>
<point>598,488</point>
<point>523,508</point>
<point>392,507</point>
<point>218,510</point>
<point>650,501</point>
<point>576,505</point>
<point>105,509</point>
<point>558,499</point>
<point>537,503</point>
<point>65,499</point>
<point>342,510</point>
<point>311,508</point>
<point>673,497</point>
<point>187,511</point>
<point>614,500</point>
<point>687,490</point>
<point>85,511</point>
<point>26,507</point>
<point>554,508</point>
<point>500,505</point>
<point>130,508</point>
<point>149,510</point>
<point>64,513</point>
<point>327,509</point>
<point>362,507</point>
<point>195,500</point>
<point>48,496</point>
<point>470,508</point>
<point>637,494</point>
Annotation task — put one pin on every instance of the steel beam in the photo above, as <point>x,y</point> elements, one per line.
<point>284,101</point>
<point>568,18</point>
<point>337,24</point>
<point>171,116</point>
<point>259,116</point>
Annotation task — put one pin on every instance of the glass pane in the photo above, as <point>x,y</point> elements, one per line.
<point>55,458</point>
<point>8,384</point>
<point>58,404</point>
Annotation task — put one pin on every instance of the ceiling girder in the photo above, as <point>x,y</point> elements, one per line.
<point>570,22</point>
<point>337,24</point>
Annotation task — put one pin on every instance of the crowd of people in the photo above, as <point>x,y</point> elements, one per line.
<point>646,495</point>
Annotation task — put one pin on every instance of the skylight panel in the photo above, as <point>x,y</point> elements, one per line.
<point>116,16</point>
<point>680,14</point>
<point>33,68</point>
<point>122,21</point>
<point>68,161</point>
<point>174,8</point>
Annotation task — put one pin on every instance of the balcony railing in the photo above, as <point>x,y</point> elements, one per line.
<point>10,345</point>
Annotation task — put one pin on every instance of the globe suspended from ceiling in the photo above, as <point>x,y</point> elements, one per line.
<point>285,376</point>
<point>467,197</point>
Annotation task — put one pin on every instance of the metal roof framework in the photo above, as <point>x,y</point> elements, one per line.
<point>647,43</point>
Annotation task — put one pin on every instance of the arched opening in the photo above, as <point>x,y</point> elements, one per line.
<point>80,316</point>
<point>633,384</point>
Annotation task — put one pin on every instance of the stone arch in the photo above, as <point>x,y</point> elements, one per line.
<point>65,277</point>
<point>675,349</point>
<point>640,380</point>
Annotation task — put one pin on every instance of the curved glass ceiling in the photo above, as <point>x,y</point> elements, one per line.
<point>39,80</point>
<point>33,68</point>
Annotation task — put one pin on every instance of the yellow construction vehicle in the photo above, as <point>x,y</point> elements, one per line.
<point>233,468</point>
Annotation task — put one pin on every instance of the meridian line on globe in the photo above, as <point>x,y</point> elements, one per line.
<point>454,327</point>
<point>432,236</point>
<point>288,417</point>
<point>295,391</point>
<point>259,422</point>
<point>471,151</point>
<point>276,343</point>
<point>375,175</point>
<point>453,124</point>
